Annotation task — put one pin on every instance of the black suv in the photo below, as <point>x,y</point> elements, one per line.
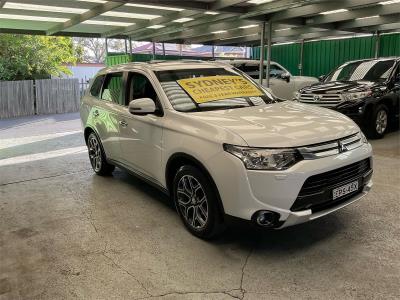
<point>368,91</point>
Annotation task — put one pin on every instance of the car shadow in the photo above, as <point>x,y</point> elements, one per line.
<point>248,236</point>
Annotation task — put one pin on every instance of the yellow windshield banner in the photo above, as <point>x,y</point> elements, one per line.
<point>212,88</point>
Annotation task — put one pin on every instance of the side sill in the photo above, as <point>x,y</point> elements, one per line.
<point>139,175</point>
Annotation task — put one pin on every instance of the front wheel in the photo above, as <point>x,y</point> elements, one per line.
<point>97,157</point>
<point>196,202</point>
<point>378,124</point>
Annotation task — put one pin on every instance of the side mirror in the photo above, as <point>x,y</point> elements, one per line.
<point>321,78</point>
<point>142,106</point>
<point>285,76</point>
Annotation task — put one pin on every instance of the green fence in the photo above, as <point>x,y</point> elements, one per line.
<point>114,59</point>
<point>320,57</point>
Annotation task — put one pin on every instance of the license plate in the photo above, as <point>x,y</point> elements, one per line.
<point>345,189</point>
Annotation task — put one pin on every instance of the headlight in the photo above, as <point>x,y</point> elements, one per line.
<point>265,159</point>
<point>297,96</point>
<point>356,96</point>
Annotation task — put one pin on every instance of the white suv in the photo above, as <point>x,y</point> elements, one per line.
<point>221,146</point>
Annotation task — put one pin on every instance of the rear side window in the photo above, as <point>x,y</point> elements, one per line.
<point>112,89</point>
<point>96,86</point>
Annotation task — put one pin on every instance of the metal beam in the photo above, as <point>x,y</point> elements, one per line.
<point>254,39</point>
<point>316,8</point>
<point>201,34</point>
<point>354,14</point>
<point>97,10</point>
<point>262,46</point>
<point>383,28</point>
<point>141,26</point>
<point>269,48</point>
<point>179,27</point>
<point>377,43</point>
<point>227,6</point>
<point>275,6</point>
<point>368,22</point>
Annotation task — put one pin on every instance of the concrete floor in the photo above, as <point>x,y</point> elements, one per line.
<point>66,233</point>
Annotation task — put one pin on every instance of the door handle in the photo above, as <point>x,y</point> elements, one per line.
<point>96,113</point>
<point>123,124</point>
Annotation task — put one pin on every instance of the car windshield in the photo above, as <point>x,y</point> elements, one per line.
<point>205,89</point>
<point>372,70</point>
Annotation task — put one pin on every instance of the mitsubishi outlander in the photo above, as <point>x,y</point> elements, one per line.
<point>221,145</point>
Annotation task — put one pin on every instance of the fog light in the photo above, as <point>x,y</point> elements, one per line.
<point>266,218</point>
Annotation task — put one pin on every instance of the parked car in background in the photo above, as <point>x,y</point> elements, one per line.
<point>282,83</point>
<point>221,145</point>
<point>368,91</point>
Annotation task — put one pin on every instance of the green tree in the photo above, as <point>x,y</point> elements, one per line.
<point>29,57</point>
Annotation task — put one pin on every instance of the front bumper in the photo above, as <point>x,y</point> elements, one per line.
<point>245,192</point>
<point>307,215</point>
<point>355,111</point>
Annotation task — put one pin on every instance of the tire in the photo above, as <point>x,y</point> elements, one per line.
<point>197,203</point>
<point>97,157</point>
<point>379,122</point>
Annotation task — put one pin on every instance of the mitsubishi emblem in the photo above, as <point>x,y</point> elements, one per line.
<point>342,147</point>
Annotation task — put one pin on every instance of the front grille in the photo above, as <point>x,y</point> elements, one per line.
<point>326,100</point>
<point>332,147</point>
<point>316,193</point>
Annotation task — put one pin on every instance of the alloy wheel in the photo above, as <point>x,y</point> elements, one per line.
<point>192,202</point>
<point>381,121</point>
<point>94,153</point>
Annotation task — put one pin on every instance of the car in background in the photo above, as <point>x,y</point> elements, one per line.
<point>368,91</point>
<point>221,145</point>
<point>282,83</point>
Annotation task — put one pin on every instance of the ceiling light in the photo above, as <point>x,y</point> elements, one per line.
<point>389,2</point>
<point>13,5</point>
<point>107,23</point>
<point>32,18</point>
<point>259,1</point>
<point>329,12</point>
<point>156,26</point>
<point>283,29</point>
<point>211,13</point>
<point>218,31</point>
<point>154,7</point>
<point>129,15</point>
<point>183,20</point>
<point>248,26</point>
<point>370,17</point>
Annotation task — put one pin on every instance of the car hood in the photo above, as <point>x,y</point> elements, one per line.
<point>338,87</point>
<point>285,124</point>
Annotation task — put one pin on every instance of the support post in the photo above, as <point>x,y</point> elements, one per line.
<point>163,49</point>
<point>377,43</point>
<point>154,50</point>
<point>130,46</point>
<point>106,46</point>
<point>269,48</point>
<point>301,58</point>
<point>262,46</point>
<point>126,46</point>
<point>213,51</point>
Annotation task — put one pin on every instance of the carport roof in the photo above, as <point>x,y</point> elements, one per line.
<point>217,22</point>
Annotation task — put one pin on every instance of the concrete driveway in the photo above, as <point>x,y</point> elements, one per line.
<point>66,233</point>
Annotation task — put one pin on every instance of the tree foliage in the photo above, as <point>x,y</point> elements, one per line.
<point>94,49</point>
<point>30,57</point>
